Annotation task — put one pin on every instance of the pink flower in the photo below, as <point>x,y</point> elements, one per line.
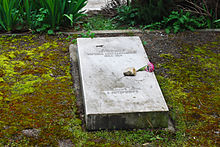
<point>149,67</point>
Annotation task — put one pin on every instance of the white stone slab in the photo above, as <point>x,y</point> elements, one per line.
<point>112,100</point>
<point>95,5</point>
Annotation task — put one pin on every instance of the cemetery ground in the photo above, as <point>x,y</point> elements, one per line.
<point>38,105</point>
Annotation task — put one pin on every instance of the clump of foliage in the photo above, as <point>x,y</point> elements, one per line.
<point>8,15</point>
<point>206,8</point>
<point>178,22</point>
<point>99,23</point>
<point>140,12</point>
<point>170,15</point>
<point>40,16</point>
<point>127,15</point>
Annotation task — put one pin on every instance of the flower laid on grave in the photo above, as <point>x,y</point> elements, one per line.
<point>131,71</point>
<point>149,67</point>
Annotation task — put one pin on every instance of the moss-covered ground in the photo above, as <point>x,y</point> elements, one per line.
<point>36,92</point>
<point>192,90</point>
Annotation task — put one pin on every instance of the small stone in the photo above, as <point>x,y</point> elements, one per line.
<point>31,132</point>
<point>146,145</point>
<point>170,126</point>
<point>65,143</point>
<point>130,71</point>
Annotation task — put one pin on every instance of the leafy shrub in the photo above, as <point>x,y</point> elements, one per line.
<point>149,11</point>
<point>38,18</point>
<point>8,17</point>
<point>206,8</point>
<point>74,7</point>
<point>127,15</point>
<point>178,22</point>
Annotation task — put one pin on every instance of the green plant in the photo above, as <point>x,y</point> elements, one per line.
<point>27,4</point>
<point>70,17</point>
<point>55,11</point>
<point>206,8</point>
<point>178,22</point>
<point>8,19</point>
<point>74,10</point>
<point>99,23</point>
<point>38,18</point>
<point>217,23</point>
<point>40,15</point>
<point>127,15</point>
<point>87,34</point>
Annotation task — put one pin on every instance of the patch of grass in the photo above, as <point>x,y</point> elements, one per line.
<point>100,23</point>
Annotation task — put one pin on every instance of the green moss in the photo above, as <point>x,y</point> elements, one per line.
<point>32,95</point>
<point>192,90</point>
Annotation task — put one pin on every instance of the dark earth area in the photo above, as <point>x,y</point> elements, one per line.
<point>38,103</point>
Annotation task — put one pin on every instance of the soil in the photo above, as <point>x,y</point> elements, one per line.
<point>162,43</point>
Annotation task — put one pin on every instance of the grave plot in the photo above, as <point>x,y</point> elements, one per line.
<point>112,100</point>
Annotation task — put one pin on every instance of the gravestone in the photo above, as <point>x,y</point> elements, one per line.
<point>112,100</point>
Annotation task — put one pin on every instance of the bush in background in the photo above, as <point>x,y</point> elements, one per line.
<point>178,22</point>
<point>127,15</point>
<point>209,9</point>
<point>150,11</point>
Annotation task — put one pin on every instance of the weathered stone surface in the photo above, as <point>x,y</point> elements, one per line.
<point>65,143</point>
<point>112,100</point>
<point>31,132</point>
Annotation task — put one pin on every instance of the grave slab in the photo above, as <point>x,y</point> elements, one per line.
<point>112,100</point>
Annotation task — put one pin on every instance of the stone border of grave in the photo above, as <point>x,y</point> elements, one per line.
<point>107,32</point>
<point>100,32</point>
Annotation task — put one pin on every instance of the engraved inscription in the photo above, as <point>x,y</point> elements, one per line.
<point>111,52</point>
<point>123,91</point>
